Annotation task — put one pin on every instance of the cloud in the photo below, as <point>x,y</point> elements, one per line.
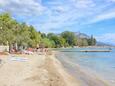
<point>103,16</point>
<point>79,12</point>
<point>83,4</point>
<point>50,15</point>
<point>108,38</point>
<point>65,13</point>
<point>22,7</point>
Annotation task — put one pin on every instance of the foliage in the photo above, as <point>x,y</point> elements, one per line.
<point>55,38</point>
<point>45,42</point>
<point>92,41</point>
<point>35,37</point>
<point>69,37</point>
<point>14,34</point>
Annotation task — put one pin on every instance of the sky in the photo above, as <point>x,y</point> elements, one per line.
<point>93,17</point>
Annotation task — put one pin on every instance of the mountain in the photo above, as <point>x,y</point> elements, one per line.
<point>103,44</point>
<point>81,35</point>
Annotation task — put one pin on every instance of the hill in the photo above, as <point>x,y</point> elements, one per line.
<point>81,35</point>
<point>98,43</point>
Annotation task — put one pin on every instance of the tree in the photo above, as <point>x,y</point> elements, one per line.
<point>23,36</point>
<point>84,42</point>
<point>34,36</point>
<point>50,35</point>
<point>7,26</point>
<point>62,42</point>
<point>45,42</point>
<point>91,41</point>
<point>55,39</point>
<point>79,42</point>
<point>69,37</point>
<point>43,35</point>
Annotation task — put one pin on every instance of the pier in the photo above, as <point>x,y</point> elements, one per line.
<point>86,51</point>
<point>95,50</point>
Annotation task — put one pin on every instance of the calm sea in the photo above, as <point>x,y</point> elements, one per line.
<point>99,63</point>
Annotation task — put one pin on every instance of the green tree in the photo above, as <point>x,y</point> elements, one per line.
<point>43,35</point>
<point>79,42</point>
<point>92,41</point>
<point>84,42</point>
<point>45,42</point>
<point>55,39</point>
<point>69,37</point>
<point>62,42</point>
<point>6,29</point>
<point>34,36</point>
<point>23,36</point>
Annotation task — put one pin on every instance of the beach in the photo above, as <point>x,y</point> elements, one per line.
<point>46,70</point>
<point>33,70</point>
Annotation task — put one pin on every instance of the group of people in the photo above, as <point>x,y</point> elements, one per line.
<point>42,50</point>
<point>32,50</point>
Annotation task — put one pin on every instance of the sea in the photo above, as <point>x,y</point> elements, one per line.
<point>87,66</point>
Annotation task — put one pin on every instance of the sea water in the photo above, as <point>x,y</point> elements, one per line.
<point>101,63</point>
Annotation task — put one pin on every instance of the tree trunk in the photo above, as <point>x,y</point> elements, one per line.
<point>10,48</point>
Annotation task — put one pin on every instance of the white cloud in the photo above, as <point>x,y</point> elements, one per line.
<point>108,38</point>
<point>3,3</point>
<point>77,12</point>
<point>83,4</point>
<point>62,14</point>
<point>103,16</point>
<point>58,13</point>
<point>88,11</point>
<point>22,7</point>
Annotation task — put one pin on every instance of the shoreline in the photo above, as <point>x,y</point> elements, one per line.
<point>55,68</point>
<point>36,70</point>
<point>44,70</point>
<point>84,76</point>
<point>85,47</point>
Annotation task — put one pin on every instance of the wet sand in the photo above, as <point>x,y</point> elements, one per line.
<point>83,76</point>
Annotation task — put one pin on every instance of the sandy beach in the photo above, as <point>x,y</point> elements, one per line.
<point>33,70</point>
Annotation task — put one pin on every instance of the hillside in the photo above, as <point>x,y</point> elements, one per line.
<point>81,35</point>
<point>98,43</point>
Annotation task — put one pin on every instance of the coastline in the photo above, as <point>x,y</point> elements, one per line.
<point>45,70</point>
<point>55,68</point>
<point>84,76</point>
<point>85,47</point>
<point>34,70</point>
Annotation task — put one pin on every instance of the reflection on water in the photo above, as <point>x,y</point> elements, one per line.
<point>102,63</point>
